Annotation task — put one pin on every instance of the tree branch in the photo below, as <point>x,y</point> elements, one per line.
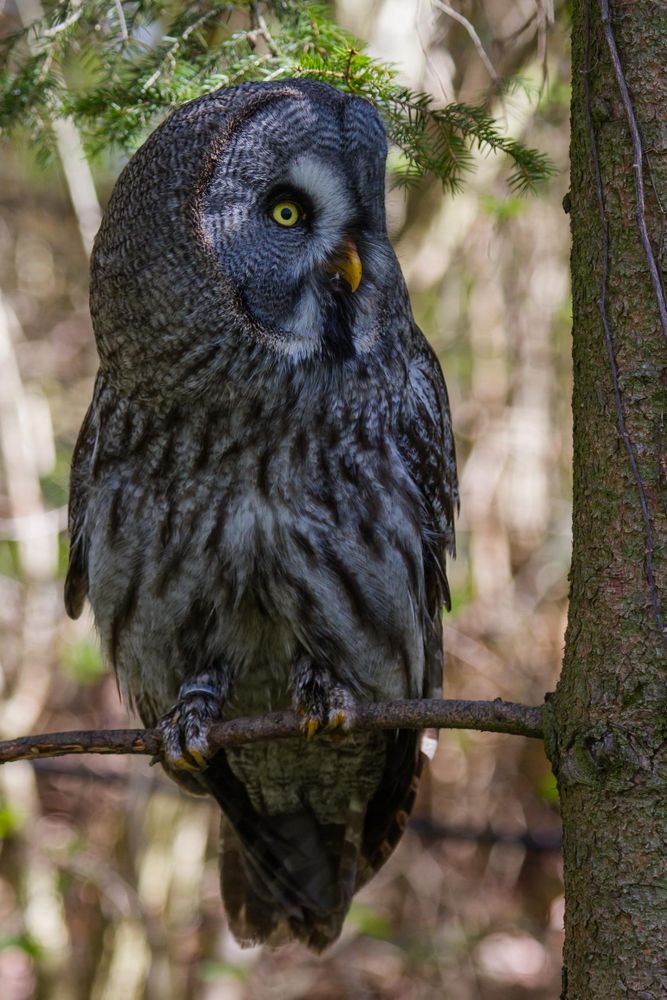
<point>476,40</point>
<point>488,716</point>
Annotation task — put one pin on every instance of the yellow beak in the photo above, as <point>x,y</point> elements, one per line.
<point>347,264</point>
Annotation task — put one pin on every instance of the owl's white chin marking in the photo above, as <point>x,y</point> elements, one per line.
<point>303,333</point>
<point>329,322</point>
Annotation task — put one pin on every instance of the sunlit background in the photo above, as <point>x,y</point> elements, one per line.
<point>108,874</point>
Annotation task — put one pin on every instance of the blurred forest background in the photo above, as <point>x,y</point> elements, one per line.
<point>108,874</point>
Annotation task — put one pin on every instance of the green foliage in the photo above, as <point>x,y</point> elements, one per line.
<point>24,942</point>
<point>117,67</point>
<point>548,789</point>
<point>9,558</point>
<point>502,209</point>
<point>12,820</point>
<point>82,662</point>
<point>213,970</point>
<point>368,921</point>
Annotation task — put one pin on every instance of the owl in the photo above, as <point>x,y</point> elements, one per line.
<point>263,488</point>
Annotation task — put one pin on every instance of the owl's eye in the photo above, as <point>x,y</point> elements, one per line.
<point>286,213</point>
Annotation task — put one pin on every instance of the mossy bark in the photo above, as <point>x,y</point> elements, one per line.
<point>607,729</point>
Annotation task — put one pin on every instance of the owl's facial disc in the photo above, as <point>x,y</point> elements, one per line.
<point>302,236</point>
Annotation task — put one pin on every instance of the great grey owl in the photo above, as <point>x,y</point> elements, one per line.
<point>264,485</point>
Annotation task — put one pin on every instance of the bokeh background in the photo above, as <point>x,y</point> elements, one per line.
<point>108,874</point>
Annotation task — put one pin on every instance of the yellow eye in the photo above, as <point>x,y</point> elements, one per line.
<point>286,213</point>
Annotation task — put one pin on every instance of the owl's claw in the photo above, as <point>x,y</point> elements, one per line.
<point>326,707</point>
<point>310,726</point>
<point>337,724</point>
<point>184,729</point>
<point>339,721</point>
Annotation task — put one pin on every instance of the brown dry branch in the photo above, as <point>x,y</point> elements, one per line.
<point>488,716</point>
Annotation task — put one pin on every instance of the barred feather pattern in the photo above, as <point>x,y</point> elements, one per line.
<point>240,505</point>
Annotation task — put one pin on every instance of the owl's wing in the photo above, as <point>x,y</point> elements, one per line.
<point>76,581</point>
<point>426,444</point>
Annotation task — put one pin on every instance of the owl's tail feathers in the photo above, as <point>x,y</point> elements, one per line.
<point>288,877</point>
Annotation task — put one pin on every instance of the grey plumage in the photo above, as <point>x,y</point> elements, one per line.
<point>264,485</point>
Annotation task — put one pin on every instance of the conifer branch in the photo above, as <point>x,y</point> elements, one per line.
<point>128,79</point>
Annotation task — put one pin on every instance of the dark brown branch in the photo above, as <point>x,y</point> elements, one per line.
<point>488,716</point>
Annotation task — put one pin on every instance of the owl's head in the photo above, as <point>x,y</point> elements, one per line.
<point>251,223</point>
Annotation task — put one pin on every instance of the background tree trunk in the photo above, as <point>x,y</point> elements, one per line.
<point>607,740</point>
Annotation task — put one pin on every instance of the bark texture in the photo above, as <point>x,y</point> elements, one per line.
<point>606,730</point>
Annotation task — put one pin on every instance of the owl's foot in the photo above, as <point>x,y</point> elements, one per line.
<point>184,728</point>
<point>326,707</point>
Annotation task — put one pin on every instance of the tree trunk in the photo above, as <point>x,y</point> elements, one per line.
<point>607,731</point>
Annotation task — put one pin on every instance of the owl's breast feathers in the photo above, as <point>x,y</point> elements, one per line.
<point>247,535</point>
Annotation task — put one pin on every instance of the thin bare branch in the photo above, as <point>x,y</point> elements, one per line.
<point>62,25</point>
<point>487,716</point>
<point>260,26</point>
<point>121,20</point>
<point>513,35</point>
<point>79,176</point>
<point>476,40</point>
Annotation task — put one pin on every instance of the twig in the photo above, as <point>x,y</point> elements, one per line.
<point>476,40</point>
<point>121,21</point>
<point>63,25</point>
<point>507,39</point>
<point>637,165</point>
<point>488,716</point>
<point>649,537</point>
<point>261,28</point>
<point>79,177</point>
<point>170,54</point>
<point>544,17</point>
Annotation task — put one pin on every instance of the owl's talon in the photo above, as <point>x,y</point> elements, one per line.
<point>200,760</point>
<point>336,723</point>
<point>310,726</point>
<point>337,720</point>
<point>183,764</point>
<point>325,706</point>
<point>184,730</point>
